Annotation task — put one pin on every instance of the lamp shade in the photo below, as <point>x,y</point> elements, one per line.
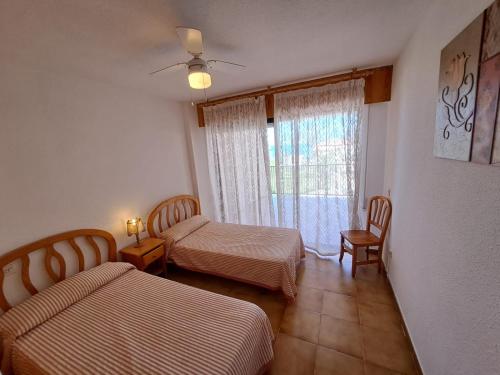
<point>199,80</point>
<point>135,226</point>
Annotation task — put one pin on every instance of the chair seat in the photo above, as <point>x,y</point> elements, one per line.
<point>360,237</point>
<point>378,216</point>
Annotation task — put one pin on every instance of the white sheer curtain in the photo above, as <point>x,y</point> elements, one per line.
<point>318,161</point>
<point>238,160</point>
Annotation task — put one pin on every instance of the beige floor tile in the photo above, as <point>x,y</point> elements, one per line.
<point>382,298</point>
<point>377,292</point>
<point>341,335</point>
<point>269,301</point>
<point>275,294</point>
<point>309,256</point>
<point>300,323</point>
<point>331,362</point>
<point>340,306</point>
<point>309,298</point>
<point>245,292</point>
<point>246,288</point>
<point>299,273</point>
<point>368,273</point>
<point>307,277</point>
<point>330,280</point>
<point>387,349</point>
<point>342,269</point>
<point>380,285</point>
<point>217,286</point>
<point>191,280</point>
<point>380,316</point>
<point>326,287</point>
<point>293,356</point>
<point>275,320</point>
<point>274,310</point>
<point>371,369</point>
<point>250,297</point>
<point>178,278</point>
<point>320,264</point>
<point>344,285</point>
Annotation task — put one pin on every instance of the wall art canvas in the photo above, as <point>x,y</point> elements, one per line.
<point>487,113</point>
<point>491,38</point>
<point>486,139</point>
<point>495,158</point>
<point>458,75</point>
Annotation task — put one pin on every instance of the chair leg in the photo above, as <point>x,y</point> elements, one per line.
<point>341,249</point>
<point>354,260</point>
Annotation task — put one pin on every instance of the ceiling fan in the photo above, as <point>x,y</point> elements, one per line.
<point>198,74</point>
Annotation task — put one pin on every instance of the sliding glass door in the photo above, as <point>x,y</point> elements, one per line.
<point>315,154</point>
<point>312,185</point>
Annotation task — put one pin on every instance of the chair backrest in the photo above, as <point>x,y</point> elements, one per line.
<point>379,214</point>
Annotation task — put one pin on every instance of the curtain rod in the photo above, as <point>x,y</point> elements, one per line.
<point>354,74</point>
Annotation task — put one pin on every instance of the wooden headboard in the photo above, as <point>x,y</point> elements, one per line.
<point>170,212</point>
<point>87,237</point>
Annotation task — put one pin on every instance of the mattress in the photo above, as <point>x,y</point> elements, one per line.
<point>263,256</point>
<point>114,319</point>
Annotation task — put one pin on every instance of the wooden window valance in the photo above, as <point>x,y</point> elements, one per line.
<point>378,83</point>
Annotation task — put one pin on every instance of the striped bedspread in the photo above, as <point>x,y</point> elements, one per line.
<point>114,319</point>
<point>263,256</point>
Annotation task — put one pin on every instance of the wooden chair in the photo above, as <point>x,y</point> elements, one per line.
<point>379,216</point>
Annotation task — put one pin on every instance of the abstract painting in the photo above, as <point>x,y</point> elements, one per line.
<point>486,140</point>
<point>491,39</point>
<point>458,76</point>
<point>487,113</point>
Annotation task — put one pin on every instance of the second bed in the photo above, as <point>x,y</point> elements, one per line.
<point>262,256</point>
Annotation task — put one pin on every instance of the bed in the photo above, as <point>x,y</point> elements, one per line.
<point>111,318</point>
<point>262,256</point>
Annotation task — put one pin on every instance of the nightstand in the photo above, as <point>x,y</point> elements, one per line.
<point>150,257</point>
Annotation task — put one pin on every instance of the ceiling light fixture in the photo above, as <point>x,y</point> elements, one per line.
<point>198,76</point>
<point>199,80</point>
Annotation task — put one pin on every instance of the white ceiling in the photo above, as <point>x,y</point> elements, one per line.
<point>120,41</point>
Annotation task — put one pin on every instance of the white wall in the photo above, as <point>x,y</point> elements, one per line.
<point>445,237</point>
<point>377,120</point>
<point>76,153</point>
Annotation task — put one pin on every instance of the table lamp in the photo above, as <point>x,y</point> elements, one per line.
<point>135,226</point>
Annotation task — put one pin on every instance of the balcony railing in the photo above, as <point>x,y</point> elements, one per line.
<point>321,179</point>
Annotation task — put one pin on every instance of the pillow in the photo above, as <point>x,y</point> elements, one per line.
<point>183,229</point>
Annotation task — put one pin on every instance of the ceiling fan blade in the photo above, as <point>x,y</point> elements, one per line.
<point>225,66</point>
<point>191,40</point>
<point>172,68</point>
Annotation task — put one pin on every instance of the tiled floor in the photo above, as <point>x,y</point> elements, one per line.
<point>337,325</point>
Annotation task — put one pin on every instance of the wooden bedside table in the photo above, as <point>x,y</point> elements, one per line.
<point>151,252</point>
